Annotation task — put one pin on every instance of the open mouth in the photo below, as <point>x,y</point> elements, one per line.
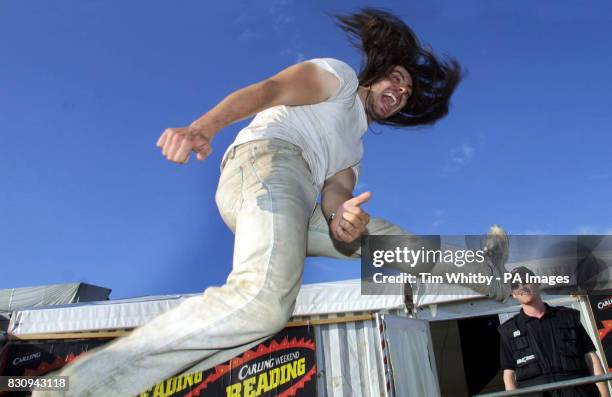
<point>389,100</point>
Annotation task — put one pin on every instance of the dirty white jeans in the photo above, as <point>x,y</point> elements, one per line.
<point>267,196</point>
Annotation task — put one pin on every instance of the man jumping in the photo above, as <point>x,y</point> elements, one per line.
<point>305,140</point>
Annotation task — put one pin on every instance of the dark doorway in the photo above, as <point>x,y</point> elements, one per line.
<point>480,348</point>
<point>467,355</point>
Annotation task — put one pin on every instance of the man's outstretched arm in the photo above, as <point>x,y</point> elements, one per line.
<point>301,84</point>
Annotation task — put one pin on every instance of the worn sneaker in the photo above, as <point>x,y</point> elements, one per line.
<point>496,245</point>
<point>496,250</point>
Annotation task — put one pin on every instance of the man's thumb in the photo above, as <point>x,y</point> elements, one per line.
<point>362,198</point>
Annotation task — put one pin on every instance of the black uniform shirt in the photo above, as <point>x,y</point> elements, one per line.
<point>542,330</point>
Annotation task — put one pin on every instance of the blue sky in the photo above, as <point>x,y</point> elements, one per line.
<point>86,87</point>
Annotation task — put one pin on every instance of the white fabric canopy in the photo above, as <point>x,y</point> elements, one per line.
<point>412,361</point>
<point>20,298</point>
<point>598,277</point>
<point>313,299</point>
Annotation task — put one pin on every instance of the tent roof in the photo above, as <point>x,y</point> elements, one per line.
<point>313,299</point>
<point>20,298</point>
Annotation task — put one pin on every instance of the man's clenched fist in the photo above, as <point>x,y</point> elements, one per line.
<point>178,143</point>
<point>351,220</point>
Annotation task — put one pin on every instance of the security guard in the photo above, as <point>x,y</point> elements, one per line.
<point>544,344</point>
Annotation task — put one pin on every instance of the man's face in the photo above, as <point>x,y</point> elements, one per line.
<point>526,293</point>
<point>390,94</point>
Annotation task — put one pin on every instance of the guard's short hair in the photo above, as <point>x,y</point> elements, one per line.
<point>524,273</point>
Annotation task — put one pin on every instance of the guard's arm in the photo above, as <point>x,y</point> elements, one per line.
<point>595,368</point>
<point>510,379</point>
<point>301,84</point>
<point>350,219</point>
<point>506,360</point>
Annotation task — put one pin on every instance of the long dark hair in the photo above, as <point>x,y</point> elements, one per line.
<point>386,41</point>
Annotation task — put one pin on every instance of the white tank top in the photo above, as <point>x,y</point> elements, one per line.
<point>329,133</point>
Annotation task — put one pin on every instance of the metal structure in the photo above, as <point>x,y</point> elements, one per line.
<point>549,386</point>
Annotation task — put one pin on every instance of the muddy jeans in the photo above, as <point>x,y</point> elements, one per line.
<point>267,196</point>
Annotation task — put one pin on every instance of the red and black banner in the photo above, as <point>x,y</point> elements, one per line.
<point>41,357</point>
<point>284,365</point>
<point>601,305</point>
<point>37,358</point>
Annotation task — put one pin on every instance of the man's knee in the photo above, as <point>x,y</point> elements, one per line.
<point>278,320</point>
<point>274,313</point>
